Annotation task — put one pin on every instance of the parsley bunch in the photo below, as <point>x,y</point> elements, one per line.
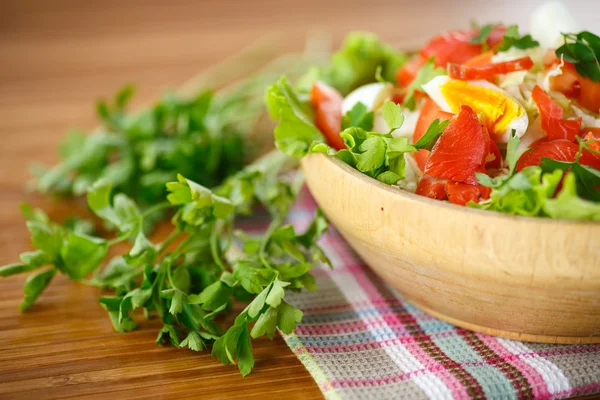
<point>205,136</point>
<point>199,270</point>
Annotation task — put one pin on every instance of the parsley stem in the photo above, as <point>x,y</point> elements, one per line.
<point>177,252</point>
<point>214,246</point>
<point>266,239</point>
<point>156,207</point>
<point>174,235</point>
<point>118,239</point>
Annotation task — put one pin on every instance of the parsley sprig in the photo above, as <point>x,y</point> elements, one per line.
<point>513,39</point>
<point>200,269</point>
<point>583,50</point>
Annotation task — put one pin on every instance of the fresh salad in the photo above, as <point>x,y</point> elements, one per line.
<point>487,117</point>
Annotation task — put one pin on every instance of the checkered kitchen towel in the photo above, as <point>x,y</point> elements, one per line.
<point>359,339</point>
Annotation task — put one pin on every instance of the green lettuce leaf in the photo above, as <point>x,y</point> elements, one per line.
<point>568,205</point>
<point>357,63</point>
<point>295,131</point>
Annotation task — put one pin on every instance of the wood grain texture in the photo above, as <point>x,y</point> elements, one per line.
<point>57,58</point>
<point>523,278</point>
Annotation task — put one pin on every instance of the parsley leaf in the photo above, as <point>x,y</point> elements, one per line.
<point>583,50</point>
<point>392,114</point>
<point>358,117</point>
<point>482,36</point>
<point>35,285</point>
<point>513,39</point>
<point>432,134</point>
<point>372,154</point>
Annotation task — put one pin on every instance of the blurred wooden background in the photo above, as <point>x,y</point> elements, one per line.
<point>56,58</point>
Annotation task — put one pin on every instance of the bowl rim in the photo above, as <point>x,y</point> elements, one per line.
<point>449,206</point>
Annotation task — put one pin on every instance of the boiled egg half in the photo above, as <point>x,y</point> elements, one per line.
<point>497,110</point>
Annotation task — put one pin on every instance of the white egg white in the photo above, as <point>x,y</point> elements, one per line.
<point>433,90</point>
<point>372,96</point>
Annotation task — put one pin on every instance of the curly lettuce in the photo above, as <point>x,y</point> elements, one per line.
<point>356,64</point>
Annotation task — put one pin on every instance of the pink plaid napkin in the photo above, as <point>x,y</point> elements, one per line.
<point>360,339</point>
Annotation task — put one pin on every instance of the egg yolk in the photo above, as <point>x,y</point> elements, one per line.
<point>498,109</point>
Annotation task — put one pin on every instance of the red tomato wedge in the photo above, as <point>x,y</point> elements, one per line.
<point>429,113</point>
<point>455,47</point>
<point>461,150</point>
<point>587,157</point>
<point>469,73</point>
<point>407,72</point>
<point>327,103</point>
<point>432,187</point>
<point>462,193</point>
<point>552,117</point>
<point>560,150</point>
<point>583,90</point>
<point>494,159</point>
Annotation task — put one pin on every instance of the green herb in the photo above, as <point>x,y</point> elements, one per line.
<point>513,39</point>
<point>426,73</point>
<point>392,114</point>
<point>432,134</point>
<point>359,117</point>
<point>188,285</point>
<point>583,50</point>
<point>482,36</point>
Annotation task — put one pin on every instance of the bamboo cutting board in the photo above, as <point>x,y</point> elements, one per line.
<point>57,58</point>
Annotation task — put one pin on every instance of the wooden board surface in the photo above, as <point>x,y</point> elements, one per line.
<point>56,59</point>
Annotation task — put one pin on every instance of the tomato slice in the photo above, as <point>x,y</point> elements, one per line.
<point>455,47</point>
<point>560,150</point>
<point>480,60</point>
<point>469,73</point>
<point>494,159</point>
<point>581,89</point>
<point>327,103</point>
<point>462,193</point>
<point>429,113</point>
<point>432,187</point>
<point>461,150</point>
<point>407,72</point>
<point>552,117</point>
<point>587,157</point>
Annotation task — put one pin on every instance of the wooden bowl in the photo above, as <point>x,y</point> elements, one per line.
<point>522,278</point>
